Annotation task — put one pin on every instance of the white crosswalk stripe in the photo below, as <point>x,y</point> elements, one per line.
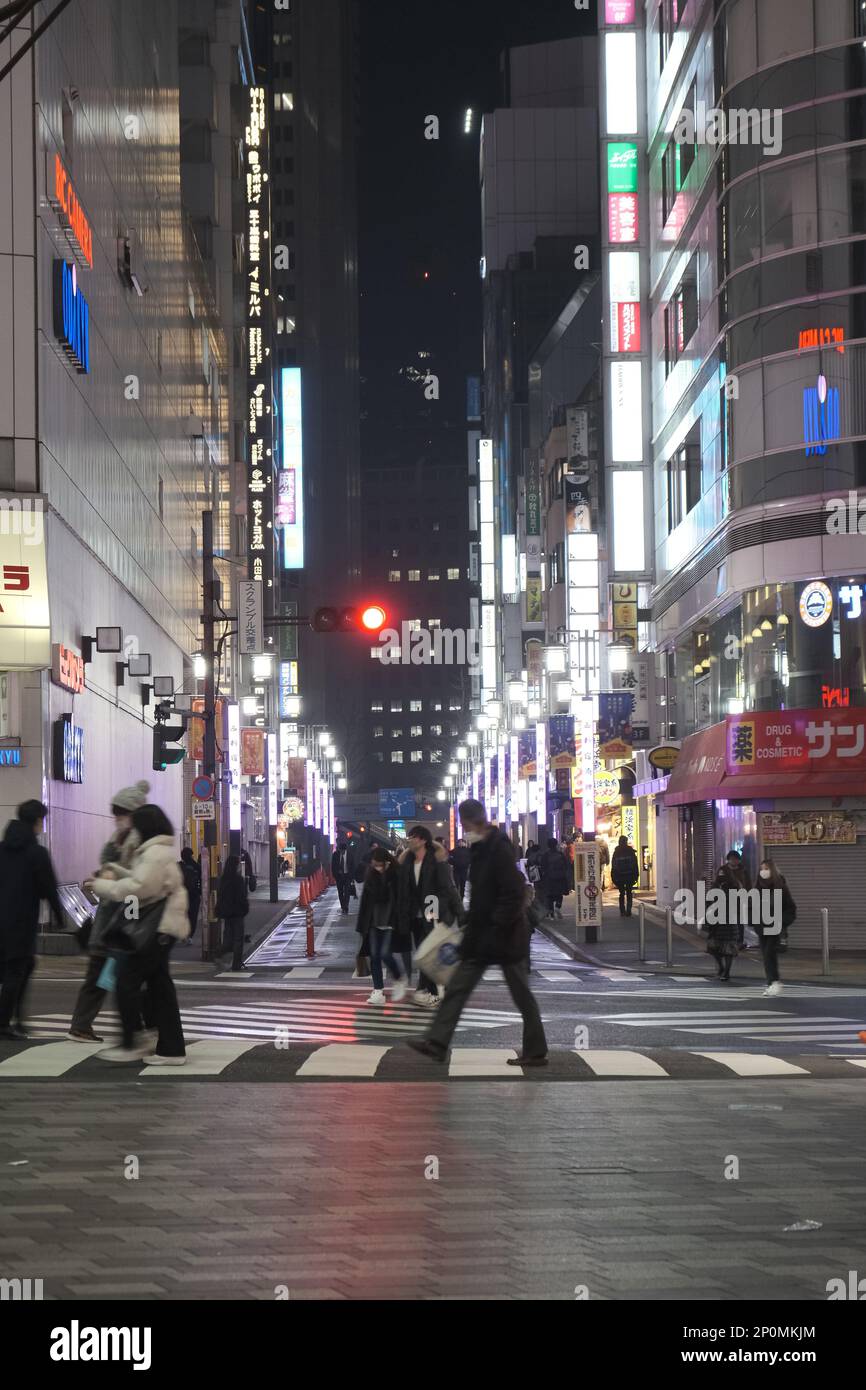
<point>754,1064</point>
<point>732,994</point>
<point>770,1025</point>
<point>610,1062</point>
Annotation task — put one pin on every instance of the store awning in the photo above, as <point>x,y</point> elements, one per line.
<point>700,775</point>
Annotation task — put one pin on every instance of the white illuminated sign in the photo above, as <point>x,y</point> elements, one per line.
<point>273,774</point>
<point>586,724</point>
<point>620,66</point>
<point>626,412</point>
<point>628,522</point>
<point>514,754</point>
<point>233,716</point>
<point>624,275</point>
<point>541,772</point>
<point>291,477</point>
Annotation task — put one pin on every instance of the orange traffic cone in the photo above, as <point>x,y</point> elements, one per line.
<point>304,896</point>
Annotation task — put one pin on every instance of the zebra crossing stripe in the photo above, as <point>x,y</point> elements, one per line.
<point>48,1059</point>
<point>305,972</point>
<point>206,1058</point>
<point>482,1061</point>
<point>754,1064</point>
<point>856,1061</point>
<point>616,1063</point>
<point>341,1059</point>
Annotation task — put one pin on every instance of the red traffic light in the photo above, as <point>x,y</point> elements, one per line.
<point>373,617</point>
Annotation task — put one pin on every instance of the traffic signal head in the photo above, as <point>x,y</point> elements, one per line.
<point>164,755</point>
<point>369,618</point>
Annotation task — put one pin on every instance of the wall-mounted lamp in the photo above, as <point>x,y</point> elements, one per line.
<point>107,639</point>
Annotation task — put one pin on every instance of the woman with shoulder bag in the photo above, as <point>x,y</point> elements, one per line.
<point>774,943</point>
<point>152,914</point>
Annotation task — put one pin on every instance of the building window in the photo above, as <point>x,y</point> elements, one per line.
<point>435,525</point>
<point>416,756</point>
<point>436,730</point>
<point>432,576</point>
<point>378,757</point>
<point>376,707</point>
<point>453,574</point>
<point>415,706</point>
<point>378,731</point>
<point>670,14</point>
<point>284,101</point>
<point>681,316</point>
<point>684,477</point>
<point>397,733</point>
<point>413,576</point>
<point>435,755</point>
<point>416,731</point>
<point>393,576</point>
<point>396,756</point>
<point>396,706</point>
<point>413,624</point>
<point>286,325</point>
<point>436,706</point>
<point>395,554</point>
<point>454,730</point>
<point>455,704</point>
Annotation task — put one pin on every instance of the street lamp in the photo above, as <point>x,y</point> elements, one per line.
<point>617,656</point>
<point>342,784</point>
<point>461,754</point>
<point>482,722</point>
<point>448,781</point>
<point>262,666</point>
<point>324,740</point>
<point>441,796</point>
<point>453,769</point>
<point>472,739</point>
<point>199,667</point>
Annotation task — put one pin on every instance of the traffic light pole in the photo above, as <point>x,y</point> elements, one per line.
<point>210,858</point>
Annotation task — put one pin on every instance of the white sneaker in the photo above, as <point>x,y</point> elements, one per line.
<point>419,996</point>
<point>428,1001</point>
<point>154,1060</point>
<point>398,991</point>
<point>148,1039</point>
<point>774,989</point>
<point>122,1054</point>
<point>377,997</point>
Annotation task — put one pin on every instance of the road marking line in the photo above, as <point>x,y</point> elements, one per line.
<point>48,1059</point>
<point>612,1062</point>
<point>207,1058</point>
<point>754,1064</point>
<point>305,972</point>
<point>482,1061</point>
<point>343,1059</point>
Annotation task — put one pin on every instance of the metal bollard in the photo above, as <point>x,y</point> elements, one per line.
<point>669,937</point>
<point>825,941</point>
<point>311,939</point>
<point>641,931</point>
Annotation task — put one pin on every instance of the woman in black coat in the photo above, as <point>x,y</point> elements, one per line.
<point>555,878</point>
<point>425,881</point>
<point>377,916</point>
<point>232,905</point>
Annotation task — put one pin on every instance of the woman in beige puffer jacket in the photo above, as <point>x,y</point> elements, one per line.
<point>152,876</point>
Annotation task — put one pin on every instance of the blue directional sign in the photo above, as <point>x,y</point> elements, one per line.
<point>71,315</point>
<point>395,803</point>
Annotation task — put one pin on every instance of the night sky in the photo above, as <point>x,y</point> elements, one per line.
<point>419,199</point>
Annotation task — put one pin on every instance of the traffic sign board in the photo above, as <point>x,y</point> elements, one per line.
<point>203,789</point>
<point>204,810</point>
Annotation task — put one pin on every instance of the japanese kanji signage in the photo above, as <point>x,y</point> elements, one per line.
<point>561,741</point>
<point>614,724</point>
<point>25,634</point>
<point>260,498</point>
<point>824,739</point>
<point>635,678</point>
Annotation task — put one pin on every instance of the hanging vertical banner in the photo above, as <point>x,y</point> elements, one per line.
<point>251,633</point>
<point>309,792</point>
<point>526,755</point>
<point>273,778</point>
<point>614,724</point>
<point>562,754</point>
<point>252,752</point>
<point>233,735</point>
<point>541,772</point>
<point>514,781</point>
<point>260,496</point>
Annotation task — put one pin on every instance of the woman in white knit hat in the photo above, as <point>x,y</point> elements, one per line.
<point>118,850</point>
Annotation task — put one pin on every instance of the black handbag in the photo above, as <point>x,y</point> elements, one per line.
<point>130,936</point>
<point>82,936</point>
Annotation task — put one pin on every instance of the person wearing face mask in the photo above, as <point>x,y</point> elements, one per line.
<point>424,880</point>
<point>772,942</point>
<point>119,849</point>
<point>377,916</point>
<point>497,933</point>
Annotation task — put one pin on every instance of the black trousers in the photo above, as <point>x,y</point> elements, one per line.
<point>233,939</point>
<point>770,952</point>
<point>149,968</point>
<point>625,899</point>
<point>15,972</point>
<point>344,892</point>
<point>90,998</point>
<point>461,985</point>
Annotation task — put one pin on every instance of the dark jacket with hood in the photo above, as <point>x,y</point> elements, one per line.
<point>378,907</point>
<point>232,898</point>
<point>497,930</point>
<point>555,873</point>
<point>624,868</point>
<point>732,879</point>
<point>26,877</point>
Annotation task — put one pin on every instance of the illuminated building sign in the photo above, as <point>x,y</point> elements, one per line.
<point>291,477</point>
<point>12,757</point>
<point>621,167</point>
<point>835,696</point>
<point>233,719</point>
<point>62,198</point>
<point>260,501</point>
<point>68,750</point>
<point>626,412</point>
<point>67,668</point>
<point>622,218</point>
<point>288,687</point>
<point>821,337</point>
<point>816,604</point>
<point>851,597</point>
<point>820,416</point>
<point>71,315</point>
<point>619,11</point>
<point>624,327</point>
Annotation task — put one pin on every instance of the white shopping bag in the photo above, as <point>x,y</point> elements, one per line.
<point>437,955</point>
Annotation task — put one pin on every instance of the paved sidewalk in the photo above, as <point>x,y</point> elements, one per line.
<point>618,949</point>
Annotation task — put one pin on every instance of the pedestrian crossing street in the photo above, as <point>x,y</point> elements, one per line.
<point>765,1025</point>
<point>248,1059</point>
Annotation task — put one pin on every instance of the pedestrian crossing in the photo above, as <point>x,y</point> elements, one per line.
<point>251,1060</point>
<point>766,1025</point>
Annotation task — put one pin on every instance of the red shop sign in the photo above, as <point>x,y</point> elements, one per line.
<point>826,740</point>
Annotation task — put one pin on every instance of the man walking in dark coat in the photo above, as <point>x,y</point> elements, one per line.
<point>497,933</point>
<point>624,874</point>
<point>26,878</point>
<point>343,872</point>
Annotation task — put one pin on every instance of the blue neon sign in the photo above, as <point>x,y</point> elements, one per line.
<point>820,416</point>
<point>71,315</point>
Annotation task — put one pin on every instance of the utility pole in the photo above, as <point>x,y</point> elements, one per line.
<point>210,858</point>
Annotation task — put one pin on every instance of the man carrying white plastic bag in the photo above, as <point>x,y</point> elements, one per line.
<point>497,933</point>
